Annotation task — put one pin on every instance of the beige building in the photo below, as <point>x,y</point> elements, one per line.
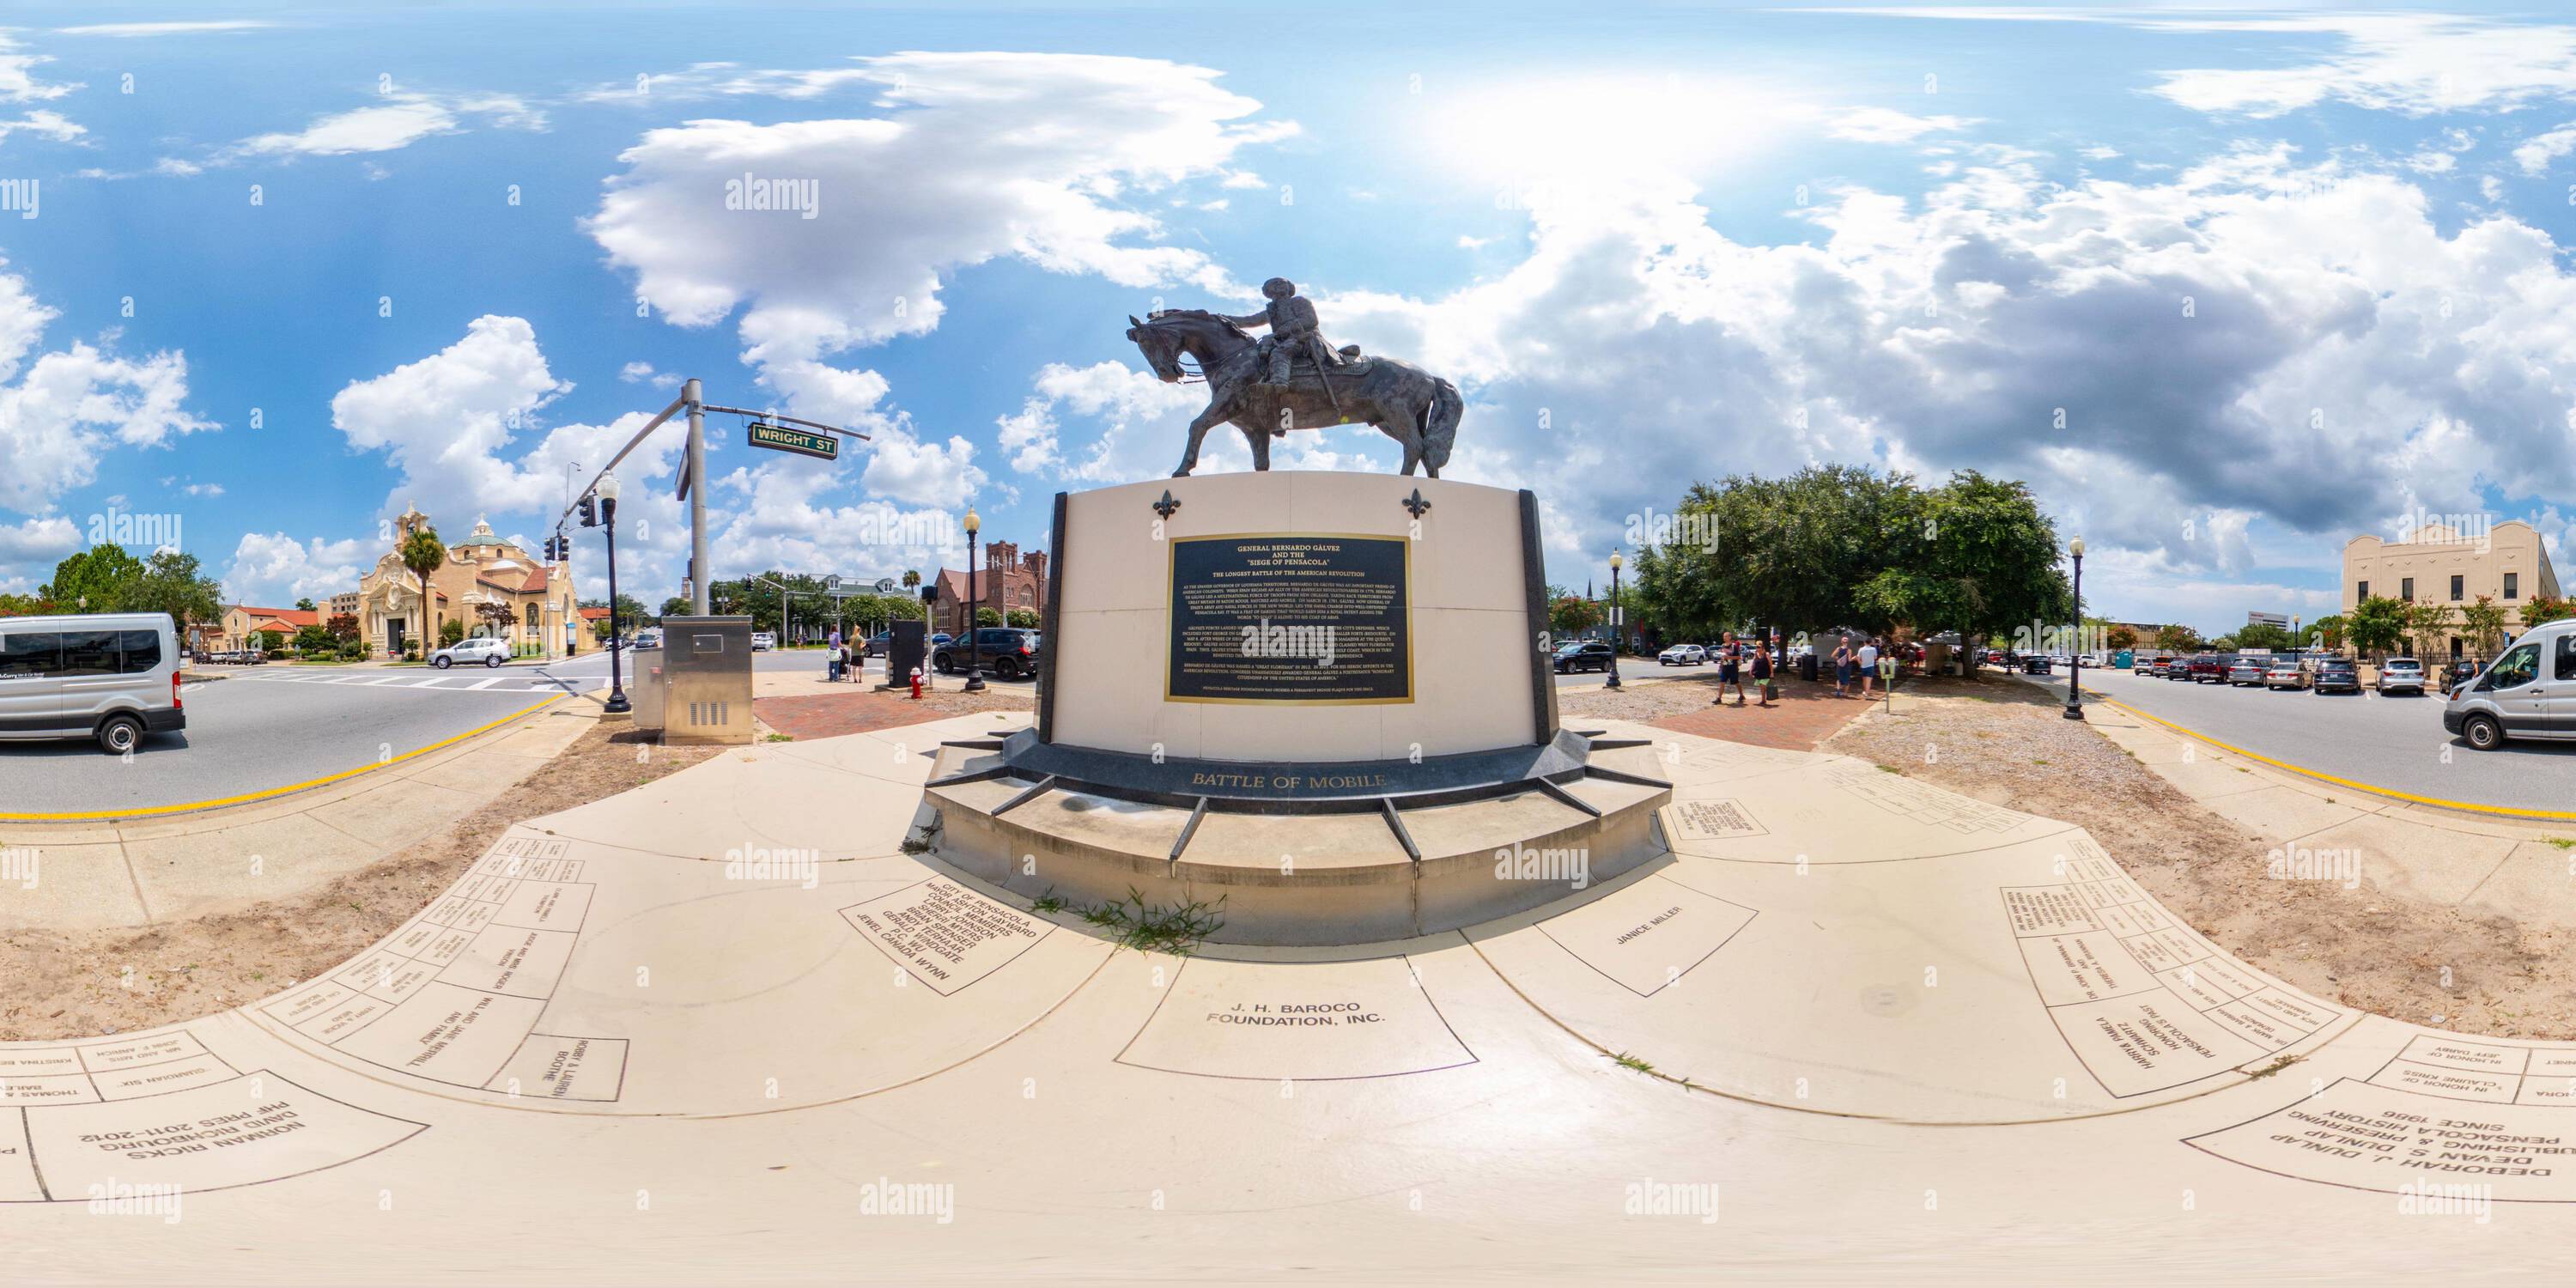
<point>2508,563</point>
<point>487,584</point>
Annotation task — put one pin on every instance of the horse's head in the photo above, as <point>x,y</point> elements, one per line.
<point>1161,345</point>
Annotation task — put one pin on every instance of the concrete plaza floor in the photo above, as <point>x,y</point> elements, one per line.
<point>726,1027</point>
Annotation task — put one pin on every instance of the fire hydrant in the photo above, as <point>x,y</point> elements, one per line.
<point>916,683</point>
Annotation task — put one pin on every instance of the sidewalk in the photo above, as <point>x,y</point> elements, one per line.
<point>2481,865</point>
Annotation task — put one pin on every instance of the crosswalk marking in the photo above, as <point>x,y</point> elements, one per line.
<point>484,684</point>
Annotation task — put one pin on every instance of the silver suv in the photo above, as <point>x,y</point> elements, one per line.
<point>2528,692</point>
<point>2401,675</point>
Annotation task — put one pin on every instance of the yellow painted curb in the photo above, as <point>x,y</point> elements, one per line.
<point>2499,811</point>
<point>153,810</point>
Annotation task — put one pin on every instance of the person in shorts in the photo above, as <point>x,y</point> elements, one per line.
<point>1842,666</point>
<point>1868,660</point>
<point>1762,666</point>
<point>1730,670</point>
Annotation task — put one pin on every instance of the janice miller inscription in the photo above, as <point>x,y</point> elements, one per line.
<point>1290,618</point>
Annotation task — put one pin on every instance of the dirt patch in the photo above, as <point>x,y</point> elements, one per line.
<point>829,715</point>
<point>2428,963</point>
<point>119,980</point>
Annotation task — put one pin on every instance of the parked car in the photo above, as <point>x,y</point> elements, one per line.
<point>1583,655</point>
<point>485,650</point>
<point>1007,651</point>
<point>2248,669</point>
<point>2159,667</point>
<point>2036,664</point>
<point>112,677</point>
<point>1682,655</point>
<point>2401,675</point>
<point>649,637</point>
<point>2284,673</point>
<point>2335,675</point>
<point>762,641</point>
<point>2529,691</point>
<point>877,644</point>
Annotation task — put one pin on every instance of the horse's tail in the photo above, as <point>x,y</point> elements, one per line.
<point>1440,425</point>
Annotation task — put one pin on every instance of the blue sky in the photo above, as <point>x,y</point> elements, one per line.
<point>2226,288</point>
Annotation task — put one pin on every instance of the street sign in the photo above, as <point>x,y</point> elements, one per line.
<point>785,438</point>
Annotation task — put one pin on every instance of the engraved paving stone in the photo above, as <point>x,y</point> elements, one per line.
<point>1316,1021</point>
<point>1649,934</point>
<point>944,934</point>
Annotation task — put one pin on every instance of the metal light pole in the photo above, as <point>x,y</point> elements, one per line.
<point>974,602</point>
<point>1616,625</point>
<point>607,490</point>
<point>2075,655</point>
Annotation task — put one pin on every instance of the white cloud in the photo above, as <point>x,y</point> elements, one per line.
<point>975,156</point>
<point>129,30</point>
<point>1884,125</point>
<point>643,373</point>
<point>274,569</point>
<point>44,123</point>
<point>18,83</point>
<point>2412,64</point>
<point>404,118</point>
<point>62,410</point>
<point>2535,153</point>
<point>30,548</point>
<point>2098,153</point>
<point>1139,421</point>
<point>447,422</point>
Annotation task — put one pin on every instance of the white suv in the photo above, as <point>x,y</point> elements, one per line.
<point>761,640</point>
<point>488,650</point>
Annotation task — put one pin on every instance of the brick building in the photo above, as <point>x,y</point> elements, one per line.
<point>1010,581</point>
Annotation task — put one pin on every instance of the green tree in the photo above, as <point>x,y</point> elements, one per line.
<point>1784,553</point>
<point>450,631</point>
<point>2427,623</point>
<point>911,579</point>
<point>2326,632</point>
<point>306,604</point>
<point>172,583</point>
<point>424,553</point>
<point>2122,636</point>
<point>94,580</point>
<point>2263,635</point>
<point>1571,615</point>
<point>2535,610</point>
<point>1024,618</point>
<point>2223,644</point>
<point>269,641</point>
<point>1977,555</point>
<point>314,641</point>
<point>23,605</point>
<point>2377,625</point>
<point>2177,638</point>
<point>2483,623</point>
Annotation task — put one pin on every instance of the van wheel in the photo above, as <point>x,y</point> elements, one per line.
<point>118,735</point>
<point>2482,732</point>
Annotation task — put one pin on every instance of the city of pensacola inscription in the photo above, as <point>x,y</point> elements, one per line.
<point>1317,619</point>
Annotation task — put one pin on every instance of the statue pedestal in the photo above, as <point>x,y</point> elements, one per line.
<point>1324,700</point>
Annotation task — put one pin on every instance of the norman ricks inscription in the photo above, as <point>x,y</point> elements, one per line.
<point>1290,618</point>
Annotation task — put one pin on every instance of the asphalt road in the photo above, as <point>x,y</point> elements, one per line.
<point>2395,743</point>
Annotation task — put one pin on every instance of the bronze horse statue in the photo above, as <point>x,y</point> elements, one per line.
<point>1418,410</point>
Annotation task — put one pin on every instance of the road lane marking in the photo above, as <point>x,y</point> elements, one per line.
<point>152,810</point>
<point>484,684</point>
<point>431,683</point>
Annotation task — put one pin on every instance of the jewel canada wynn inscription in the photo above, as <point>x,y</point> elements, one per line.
<point>1303,618</point>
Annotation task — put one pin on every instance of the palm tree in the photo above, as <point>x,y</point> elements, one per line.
<point>424,553</point>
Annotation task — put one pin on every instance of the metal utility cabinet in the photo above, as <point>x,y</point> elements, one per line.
<point>696,688</point>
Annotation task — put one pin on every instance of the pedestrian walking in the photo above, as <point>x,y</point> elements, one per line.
<point>1842,666</point>
<point>1762,669</point>
<point>832,655</point>
<point>1730,662</point>
<point>1868,665</point>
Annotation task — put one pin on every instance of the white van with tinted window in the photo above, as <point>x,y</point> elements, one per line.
<point>113,677</point>
<point>2529,691</point>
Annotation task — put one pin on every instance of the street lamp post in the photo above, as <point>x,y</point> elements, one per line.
<point>974,602</point>
<point>1616,625</point>
<point>2075,655</point>
<point>617,703</point>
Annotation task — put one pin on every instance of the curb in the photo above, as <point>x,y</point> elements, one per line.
<point>2435,802</point>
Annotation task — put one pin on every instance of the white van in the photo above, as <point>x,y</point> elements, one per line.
<point>109,676</point>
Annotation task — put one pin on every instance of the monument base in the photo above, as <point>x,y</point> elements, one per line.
<point>1320,871</point>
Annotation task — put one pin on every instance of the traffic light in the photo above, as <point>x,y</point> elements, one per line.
<point>590,511</point>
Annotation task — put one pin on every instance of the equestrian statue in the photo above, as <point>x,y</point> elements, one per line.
<point>1292,379</point>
